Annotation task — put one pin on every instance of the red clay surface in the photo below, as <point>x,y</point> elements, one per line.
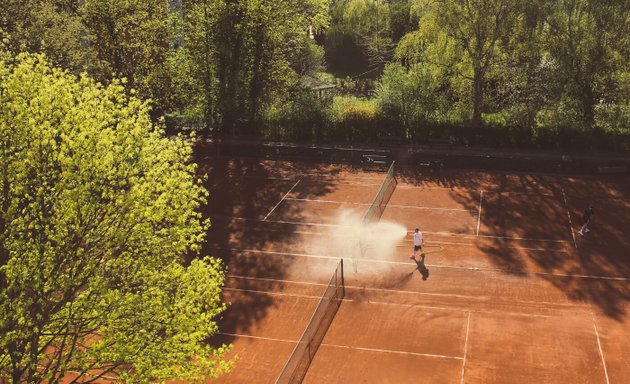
<point>512,293</point>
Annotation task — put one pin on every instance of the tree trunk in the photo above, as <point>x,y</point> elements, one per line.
<point>588,105</point>
<point>230,45</point>
<point>478,81</point>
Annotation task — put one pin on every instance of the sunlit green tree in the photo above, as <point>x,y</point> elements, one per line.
<point>97,210</point>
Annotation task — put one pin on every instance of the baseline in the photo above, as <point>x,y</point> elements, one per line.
<point>391,262</point>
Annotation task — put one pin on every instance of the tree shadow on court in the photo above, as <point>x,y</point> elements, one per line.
<point>242,194</point>
<point>529,221</point>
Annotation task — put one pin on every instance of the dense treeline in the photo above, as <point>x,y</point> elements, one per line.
<point>520,72</point>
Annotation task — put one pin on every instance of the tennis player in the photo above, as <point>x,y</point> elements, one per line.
<point>588,213</point>
<point>418,242</point>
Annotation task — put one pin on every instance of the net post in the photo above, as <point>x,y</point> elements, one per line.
<point>343,283</point>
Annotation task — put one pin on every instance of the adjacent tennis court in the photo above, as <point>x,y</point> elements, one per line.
<point>508,291</point>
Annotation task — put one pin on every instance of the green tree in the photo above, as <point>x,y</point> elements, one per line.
<point>410,96</point>
<point>587,47</point>
<point>369,22</point>
<point>53,27</point>
<point>97,211</point>
<point>107,38</point>
<point>246,54</point>
<point>477,27</point>
<point>132,40</point>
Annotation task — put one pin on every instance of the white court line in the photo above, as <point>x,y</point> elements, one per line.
<point>221,181</point>
<point>451,234</point>
<point>388,205</point>
<point>326,201</point>
<point>451,309</point>
<point>455,189</point>
<point>343,346</point>
<point>275,280</point>
<point>391,351</point>
<point>256,337</point>
<point>326,234</point>
<point>599,344</point>
<point>283,222</point>
<point>522,193</point>
<point>404,185</point>
<point>472,236</point>
<point>479,213</point>
<point>566,204</point>
<point>348,183</point>
<point>245,177</point>
<point>429,208</point>
<point>475,269</point>
<point>423,306</point>
<point>465,347</point>
<point>472,245</point>
<point>273,293</point>
<point>445,295</point>
<point>279,202</point>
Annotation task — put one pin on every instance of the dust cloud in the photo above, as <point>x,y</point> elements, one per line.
<point>356,243</point>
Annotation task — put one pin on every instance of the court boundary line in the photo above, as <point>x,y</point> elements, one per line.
<point>327,234</point>
<point>566,204</point>
<point>421,306</point>
<point>475,269</point>
<point>325,201</point>
<point>225,177</point>
<point>346,182</point>
<point>521,193</point>
<point>297,295</point>
<point>465,348</point>
<point>430,208</point>
<point>451,234</point>
<point>479,213</point>
<point>402,185</point>
<point>273,178</point>
<point>388,205</point>
<point>456,309</point>
<point>466,235</point>
<point>281,200</point>
<point>601,352</point>
<point>341,346</point>
<point>380,350</point>
<point>447,295</point>
<point>256,337</point>
<point>472,245</point>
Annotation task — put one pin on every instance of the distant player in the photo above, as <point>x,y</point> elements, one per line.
<point>588,213</point>
<point>418,242</point>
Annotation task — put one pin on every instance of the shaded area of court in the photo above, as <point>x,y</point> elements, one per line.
<point>512,292</point>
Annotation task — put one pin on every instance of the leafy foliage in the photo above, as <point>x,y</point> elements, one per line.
<point>97,210</point>
<point>227,66</point>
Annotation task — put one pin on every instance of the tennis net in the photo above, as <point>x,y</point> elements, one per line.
<point>296,367</point>
<point>375,211</point>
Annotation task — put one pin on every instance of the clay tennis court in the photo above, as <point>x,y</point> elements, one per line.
<point>509,291</point>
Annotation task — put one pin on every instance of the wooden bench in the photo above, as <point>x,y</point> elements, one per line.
<point>390,141</point>
<point>374,159</point>
<point>612,169</point>
<point>431,163</point>
<point>440,143</point>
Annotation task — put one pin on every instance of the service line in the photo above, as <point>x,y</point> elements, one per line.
<point>566,204</point>
<point>281,200</point>
<point>599,344</point>
<point>479,214</point>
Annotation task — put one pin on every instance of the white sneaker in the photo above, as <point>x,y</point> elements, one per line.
<point>587,230</point>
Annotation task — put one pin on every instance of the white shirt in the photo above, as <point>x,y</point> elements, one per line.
<point>417,238</point>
